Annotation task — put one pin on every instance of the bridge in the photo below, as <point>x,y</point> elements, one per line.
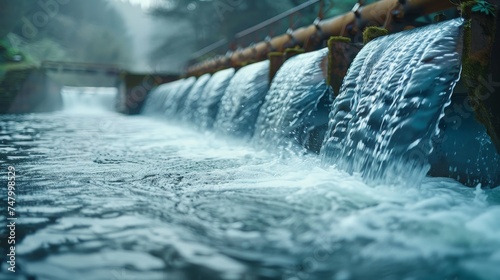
<point>81,68</point>
<point>132,87</point>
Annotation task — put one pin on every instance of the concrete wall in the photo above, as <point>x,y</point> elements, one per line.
<point>29,91</point>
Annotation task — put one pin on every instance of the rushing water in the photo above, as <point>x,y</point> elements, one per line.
<point>295,111</point>
<point>209,102</point>
<point>167,98</point>
<point>105,196</point>
<point>392,100</point>
<point>240,105</point>
<point>189,105</point>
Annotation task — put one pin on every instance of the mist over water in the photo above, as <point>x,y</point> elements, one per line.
<point>89,99</point>
<point>147,40</point>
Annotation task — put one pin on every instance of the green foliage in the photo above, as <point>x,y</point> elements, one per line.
<point>87,31</point>
<point>483,6</point>
<point>9,54</point>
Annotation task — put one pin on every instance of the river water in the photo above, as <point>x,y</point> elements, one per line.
<point>106,196</point>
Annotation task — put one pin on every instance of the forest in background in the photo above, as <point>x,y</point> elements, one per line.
<point>210,21</point>
<point>64,30</point>
<point>103,30</point>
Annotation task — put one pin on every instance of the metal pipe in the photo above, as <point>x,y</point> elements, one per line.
<point>381,13</point>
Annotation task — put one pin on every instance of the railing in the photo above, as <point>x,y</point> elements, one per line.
<point>287,20</point>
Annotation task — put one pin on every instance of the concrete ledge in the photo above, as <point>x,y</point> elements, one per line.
<point>28,91</point>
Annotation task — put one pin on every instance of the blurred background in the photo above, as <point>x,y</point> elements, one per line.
<point>144,35</point>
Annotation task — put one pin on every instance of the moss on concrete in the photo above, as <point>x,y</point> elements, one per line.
<point>338,39</point>
<point>373,32</point>
<point>291,52</point>
<point>274,54</point>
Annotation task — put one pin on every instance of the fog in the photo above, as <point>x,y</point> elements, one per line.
<point>149,33</point>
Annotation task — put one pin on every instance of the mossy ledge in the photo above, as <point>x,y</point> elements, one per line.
<point>291,52</point>
<point>338,39</point>
<point>372,32</point>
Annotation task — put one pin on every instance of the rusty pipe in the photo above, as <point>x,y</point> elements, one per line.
<point>380,13</point>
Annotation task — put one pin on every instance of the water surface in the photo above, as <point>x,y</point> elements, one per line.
<point>106,196</point>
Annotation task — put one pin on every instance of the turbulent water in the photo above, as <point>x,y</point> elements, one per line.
<point>105,196</point>
<point>392,100</point>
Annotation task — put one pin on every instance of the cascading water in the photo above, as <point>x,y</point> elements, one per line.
<point>242,100</point>
<point>391,102</point>
<point>89,99</point>
<point>155,98</point>
<point>297,105</point>
<point>108,196</point>
<point>173,101</point>
<point>190,102</point>
<point>211,97</point>
<point>155,103</point>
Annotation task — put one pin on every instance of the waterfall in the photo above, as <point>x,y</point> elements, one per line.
<point>190,103</point>
<point>151,106</point>
<point>386,123</point>
<point>173,101</point>
<point>165,99</point>
<point>210,98</point>
<point>242,100</point>
<point>296,108</point>
<point>391,102</point>
<point>89,99</point>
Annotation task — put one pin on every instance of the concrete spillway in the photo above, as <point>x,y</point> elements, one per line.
<point>384,122</point>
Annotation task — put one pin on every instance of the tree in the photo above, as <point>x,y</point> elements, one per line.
<point>88,31</point>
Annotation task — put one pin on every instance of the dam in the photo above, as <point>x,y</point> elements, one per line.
<point>288,159</point>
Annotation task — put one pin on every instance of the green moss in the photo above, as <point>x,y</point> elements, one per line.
<point>292,52</point>
<point>274,54</point>
<point>477,6</point>
<point>296,49</point>
<point>338,39</point>
<point>247,62</point>
<point>373,32</point>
